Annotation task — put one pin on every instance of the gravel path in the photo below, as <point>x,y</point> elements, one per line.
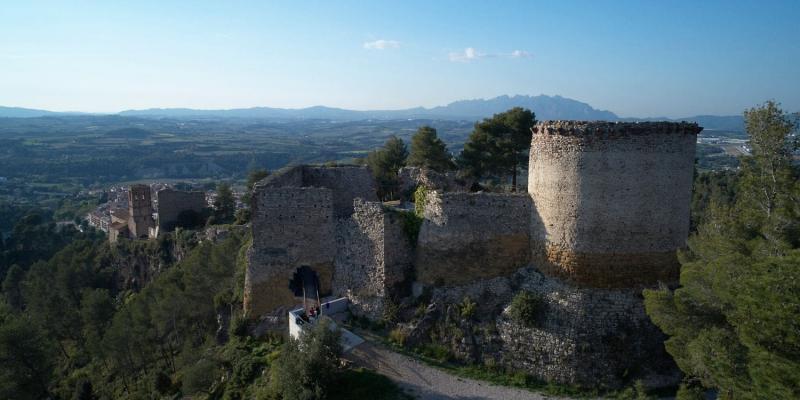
<point>429,383</point>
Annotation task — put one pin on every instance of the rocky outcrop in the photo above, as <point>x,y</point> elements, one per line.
<point>580,336</point>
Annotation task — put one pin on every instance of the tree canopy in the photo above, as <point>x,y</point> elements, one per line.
<point>498,145</point>
<point>428,151</point>
<point>385,163</point>
<point>734,324</point>
<point>225,204</point>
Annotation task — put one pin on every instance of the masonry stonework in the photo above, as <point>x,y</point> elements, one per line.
<point>373,258</point>
<point>470,236</point>
<point>171,203</point>
<point>298,215</point>
<point>606,209</point>
<point>292,227</point>
<point>611,200</point>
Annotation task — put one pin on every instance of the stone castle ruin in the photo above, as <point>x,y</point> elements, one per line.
<point>606,209</point>
<point>138,222</point>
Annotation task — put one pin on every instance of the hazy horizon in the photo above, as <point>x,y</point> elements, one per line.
<point>634,59</point>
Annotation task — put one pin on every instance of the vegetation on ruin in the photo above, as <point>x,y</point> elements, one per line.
<point>525,308</point>
<point>734,323</point>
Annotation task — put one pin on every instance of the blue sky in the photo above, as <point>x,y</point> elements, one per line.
<point>636,58</point>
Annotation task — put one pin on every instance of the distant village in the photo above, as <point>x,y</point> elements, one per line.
<point>145,211</point>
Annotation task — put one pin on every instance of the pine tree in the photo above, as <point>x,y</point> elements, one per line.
<point>385,163</point>
<point>498,145</point>
<point>428,151</point>
<point>734,324</point>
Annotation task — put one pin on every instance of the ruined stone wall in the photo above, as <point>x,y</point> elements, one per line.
<point>373,258</point>
<point>580,336</point>
<point>291,176</point>
<point>347,183</point>
<point>412,177</point>
<point>172,203</point>
<point>611,200</point>
<point>471,236</point>
<point>292,226</point>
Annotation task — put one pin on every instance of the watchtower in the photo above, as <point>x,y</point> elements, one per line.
<point>140,211</point>
<point>611,200</point>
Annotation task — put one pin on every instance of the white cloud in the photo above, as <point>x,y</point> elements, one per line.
<point>520,54</point>
<point>469,54</point>
<point>381,44</point>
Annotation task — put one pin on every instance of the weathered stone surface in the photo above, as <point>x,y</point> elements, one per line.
<point>291,227</point>
<point>171,203</point>
<point>346,182</point>
<point>301,216</point>
<point>470,236</point>
<point>582,336</point>
<point>608,206</point>
<point>412,177</point>
<point>373,258</point>
<point>611,199</point>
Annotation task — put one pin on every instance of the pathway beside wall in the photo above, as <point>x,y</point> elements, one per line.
<point>428,383</point>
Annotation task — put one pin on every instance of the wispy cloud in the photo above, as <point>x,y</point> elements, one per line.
<point>520,54</point>
<point>471,54</point>
<point>381,44</point>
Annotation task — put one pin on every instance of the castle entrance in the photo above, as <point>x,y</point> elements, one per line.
<point>305,284</point>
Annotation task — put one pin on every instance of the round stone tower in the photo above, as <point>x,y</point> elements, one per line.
<point>611,200</point>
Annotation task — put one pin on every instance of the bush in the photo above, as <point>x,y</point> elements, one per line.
<point>411,224</point>
<point>305,368</point>
<point>435,351</point>
<point>525,308</point>
<point>420,196</point>
<point>468,308</point>
<point>637,392</point>
<point>690,392</point>
<point>199,377</point>
<point>398,336</point>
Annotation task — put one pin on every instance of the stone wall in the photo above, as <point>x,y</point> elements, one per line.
<point>299,214</point>
<point>347,182</point>
<point>140,211</point>
<point>412,177</point>
<point>612,200</point>
<point>471,236</point>
<point>292,227</point>
<point>373,258</point>
<point>581,336</point>
<point>171,203</point>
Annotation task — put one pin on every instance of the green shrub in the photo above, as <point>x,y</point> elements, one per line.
<point>411,224</point>
<point>420,196</point>
<point>637,392</point>
<point>238,327</point>
<point>199,377</point>
<point>435,351</point>
<point>468,308</point>
<point>306,368</point>
<point>525,308</point>
<point>398,336</point>
<point>690,392</point>
<point>390,312</point>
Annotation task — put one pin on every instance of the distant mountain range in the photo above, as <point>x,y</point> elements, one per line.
<point>545,107</point>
